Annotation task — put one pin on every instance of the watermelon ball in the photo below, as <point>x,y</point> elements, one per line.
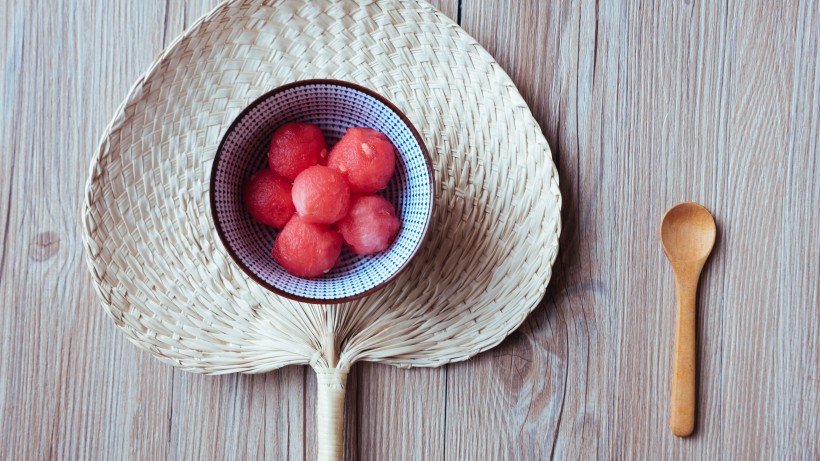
<point>321,195</point>
<point>268,198</point>
<point>366,158</point>
<point>294,147</point>
<point>307,249</point>
<point>370,225</point>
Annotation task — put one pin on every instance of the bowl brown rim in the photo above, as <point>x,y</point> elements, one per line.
<point>427,160</point>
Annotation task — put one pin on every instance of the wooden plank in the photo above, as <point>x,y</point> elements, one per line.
<point>797,345</point>
<point>71,387</point>
<point>538,395</point>
<point>760,80</point>
<point>645,107</point>
<point>774,124</point>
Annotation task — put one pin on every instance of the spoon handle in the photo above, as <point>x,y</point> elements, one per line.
<point>682,420</point>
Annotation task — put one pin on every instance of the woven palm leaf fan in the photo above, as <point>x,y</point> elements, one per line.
<point>171,286</point>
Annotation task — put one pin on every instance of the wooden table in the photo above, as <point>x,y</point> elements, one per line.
<point>644,104</point>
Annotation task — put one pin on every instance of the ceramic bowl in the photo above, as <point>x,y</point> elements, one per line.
<point>334,106</point>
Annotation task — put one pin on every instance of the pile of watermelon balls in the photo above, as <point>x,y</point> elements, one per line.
<point>319,200</point>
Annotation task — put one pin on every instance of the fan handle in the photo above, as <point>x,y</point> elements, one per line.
<point>330,413</point>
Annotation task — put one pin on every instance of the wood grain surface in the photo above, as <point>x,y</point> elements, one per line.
<point>644,104</point>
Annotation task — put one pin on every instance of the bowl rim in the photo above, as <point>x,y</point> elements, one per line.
<point>295,84</point>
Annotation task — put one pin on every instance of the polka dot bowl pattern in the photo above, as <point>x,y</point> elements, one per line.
<point>334,106</point>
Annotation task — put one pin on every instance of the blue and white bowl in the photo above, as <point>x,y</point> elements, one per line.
<point>334,106</point>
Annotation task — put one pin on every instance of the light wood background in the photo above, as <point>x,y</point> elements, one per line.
<point>645,104</point>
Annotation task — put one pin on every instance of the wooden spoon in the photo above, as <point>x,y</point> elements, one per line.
<point>688,234</point>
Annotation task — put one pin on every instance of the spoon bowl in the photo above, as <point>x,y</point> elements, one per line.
<point>688,234</point>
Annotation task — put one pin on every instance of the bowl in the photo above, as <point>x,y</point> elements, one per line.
<point>334,106</point>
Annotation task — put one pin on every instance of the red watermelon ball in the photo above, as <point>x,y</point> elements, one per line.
<point>321,195</point>
<point>366,158</point>
<point>268,198</point>
<point>307,249</point>
<point>295,147</point>
<point>370,226</point>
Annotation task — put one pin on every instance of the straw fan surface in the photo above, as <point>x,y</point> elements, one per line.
<point>169,284</point>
